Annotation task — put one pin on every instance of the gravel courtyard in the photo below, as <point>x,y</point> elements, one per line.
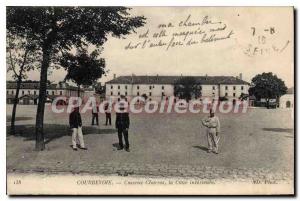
<point>257,144</point>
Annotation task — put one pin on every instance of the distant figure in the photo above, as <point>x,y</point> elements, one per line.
<point>213,131</point>
<point>107,109</point>
<point>95,111</point>
<point>122,124</point>
<point>76,125</point>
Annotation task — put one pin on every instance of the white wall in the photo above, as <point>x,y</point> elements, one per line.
<point>283,100</point>
<point>210,91</point>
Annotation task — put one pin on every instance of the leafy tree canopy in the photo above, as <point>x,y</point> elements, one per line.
<point>187,88</point>
<point>83,68</point>
<point>64,27</point>
<point>267,85</point>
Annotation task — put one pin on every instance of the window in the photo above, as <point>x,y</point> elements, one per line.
<point>233,94</point>
<point>150,94</point>
<point>162,87</point>
<point>7,92</point>
<point>111,93</point>
<point>138,87</point>
<point>200,87</point>
<point>52,92</point>
<point>12,92</point>
<point>162,94</point>
<point>150,87</point>
<point>233,87</point>
<point>118,86</point>
<point>213,93</point>
<point>242,87</point>
<point>125,93</point>
<point>34,92</point>
<point>47,92</point>
<point>226,94</point>
<point>60,92</point>
<point>137,93</point>
<point>125,86</point>
<point>226,87</point>
<point>213,88</point>
<point>28,92</point>
<point>111,86</point>
<point>23,92</point>
<point>118,93</point>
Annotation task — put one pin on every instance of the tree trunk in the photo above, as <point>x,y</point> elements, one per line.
<point>40,144</point>
<point>13,115</point>
<point>78,91</point>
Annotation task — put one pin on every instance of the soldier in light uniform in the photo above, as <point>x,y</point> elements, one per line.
<point>212,124</point>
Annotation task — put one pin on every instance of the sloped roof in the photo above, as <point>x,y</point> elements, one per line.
<point>205,80</point>
<point>36,85</point>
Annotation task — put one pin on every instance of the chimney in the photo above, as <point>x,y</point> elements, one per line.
<point>241,76</point>
<point>115,76</point>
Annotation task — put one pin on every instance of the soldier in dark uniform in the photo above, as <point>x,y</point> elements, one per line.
<point>122,124</point>
<point>107,114</point>
<point>76,125</point>
<point>95,111</point>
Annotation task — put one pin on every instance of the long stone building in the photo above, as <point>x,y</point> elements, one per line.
<point>29,91</point>
<point>162,87</point>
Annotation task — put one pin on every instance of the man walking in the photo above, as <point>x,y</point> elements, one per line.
<point>95,111</point>
<point>107,109</point>
<point>76,126</point>
<point>122,124</point>
<point>213,132</point>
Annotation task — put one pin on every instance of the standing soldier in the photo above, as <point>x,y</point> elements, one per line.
<point>107,109</point>
<point>76,126</point>
<point>95,111</point>
<point>213,131</point>
<point>122,124</point>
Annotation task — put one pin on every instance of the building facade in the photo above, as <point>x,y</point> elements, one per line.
<point>162,87</point>
<point>29,92</point>
<point>287,100</point>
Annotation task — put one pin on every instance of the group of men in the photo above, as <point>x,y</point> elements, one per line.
<point>211,123</point>
<point>122,125</point>
<point>95,112</point>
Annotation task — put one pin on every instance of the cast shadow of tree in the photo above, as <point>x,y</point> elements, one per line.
<point>279,130</point>
<point>55,131</point>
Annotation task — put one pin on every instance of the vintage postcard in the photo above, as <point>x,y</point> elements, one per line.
<point>150,100</point>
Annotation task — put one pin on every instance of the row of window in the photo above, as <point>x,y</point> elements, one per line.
<point>34,92</point>
<point>226,87</point>
<point>163,87</point>
<point>137,87</point>
<point>138,93</point>
<point>163,94</point>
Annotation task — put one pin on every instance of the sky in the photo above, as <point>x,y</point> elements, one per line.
<point>256,40</point>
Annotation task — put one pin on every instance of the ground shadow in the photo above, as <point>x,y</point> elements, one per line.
<point>201,147</point>
<point>8,118</point>
<point>54,131</point>
<point>279,130</point>
<point>115,145</point>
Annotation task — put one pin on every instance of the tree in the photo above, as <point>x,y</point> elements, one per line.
<point>59,29</point>
<point>82,68</point>
<point>186,88</point>
<point>268,86</point>
<point>21,58</point>
<point>99,89</point>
